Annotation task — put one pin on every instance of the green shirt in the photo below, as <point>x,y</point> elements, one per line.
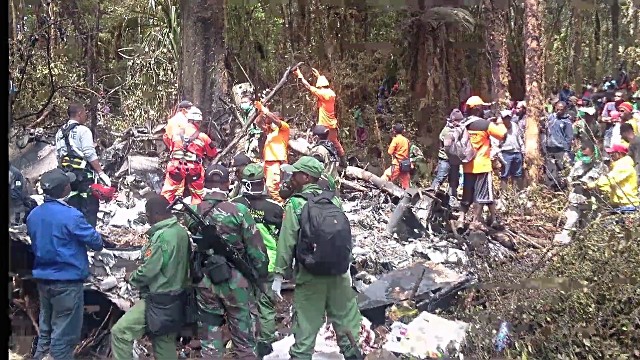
<point>166,258</point>
<point>357,115</point>
<point>289,232</point>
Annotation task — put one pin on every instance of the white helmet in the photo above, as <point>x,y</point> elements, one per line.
<point>194,114</point>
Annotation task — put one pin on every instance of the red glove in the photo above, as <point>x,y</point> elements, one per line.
<point>102,192</point>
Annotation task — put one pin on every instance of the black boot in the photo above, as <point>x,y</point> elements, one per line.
<point>263,349</point>
<point>343,161</point>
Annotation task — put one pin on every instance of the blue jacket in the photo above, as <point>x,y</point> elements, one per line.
<point>60,236</point>
<point>559,132</point>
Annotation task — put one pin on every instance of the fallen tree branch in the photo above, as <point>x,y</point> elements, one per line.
<point>41,118</point>
<point>361,174</point>
<point>264,101</point>
<point>302,146</point>
<point>353,185</point>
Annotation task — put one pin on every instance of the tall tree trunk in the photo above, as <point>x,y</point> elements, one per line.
<point>496,36</point>
<point>596,45</point>
<point>577,49</point>
<point>203,72</point>
<point>533,78</point>
<point>615,33</point>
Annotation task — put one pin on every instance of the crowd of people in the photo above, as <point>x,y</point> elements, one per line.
<point>285,220</point>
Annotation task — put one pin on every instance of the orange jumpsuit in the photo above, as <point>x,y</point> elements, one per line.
<point>185,167</point>
<point>175,128</point>
<point>327,114</point>
<point>399,150</point>
<point>275,154</point>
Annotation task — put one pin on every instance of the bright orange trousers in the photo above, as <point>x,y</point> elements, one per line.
<point>272,179</point>
<point>181,174</point>
<point>393,173</point>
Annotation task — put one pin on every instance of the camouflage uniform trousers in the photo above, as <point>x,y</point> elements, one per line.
<point>232,301</point>
<point>265,314</point>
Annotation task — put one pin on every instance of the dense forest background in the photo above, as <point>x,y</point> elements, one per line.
<point>132,60</point>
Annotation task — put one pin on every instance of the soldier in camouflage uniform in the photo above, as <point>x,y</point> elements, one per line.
<point>268,216</point>
<point>230,300</point>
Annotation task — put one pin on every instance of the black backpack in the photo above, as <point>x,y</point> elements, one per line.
<point>324,241</point>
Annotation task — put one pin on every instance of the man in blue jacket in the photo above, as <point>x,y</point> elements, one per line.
<point>60,236</point>
<point>557,145</point>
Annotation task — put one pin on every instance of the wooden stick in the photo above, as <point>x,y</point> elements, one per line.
<point>264,101</point>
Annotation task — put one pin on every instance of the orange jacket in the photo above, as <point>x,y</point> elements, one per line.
<point>175,128</point>
<point>200,144</point>
<point>398,149</point>
<point>326,107</point>
<point>479,133</point>
<point>277,143</point>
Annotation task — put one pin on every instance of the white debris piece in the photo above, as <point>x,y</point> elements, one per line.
<point>326,345</point>
<point>427,336</point>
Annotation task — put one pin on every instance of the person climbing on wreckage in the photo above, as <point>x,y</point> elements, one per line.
<point>326,108</point>
<point>275,151</point>
<point>188,151</point>
<point>586,169</point>
<point>255,136</point>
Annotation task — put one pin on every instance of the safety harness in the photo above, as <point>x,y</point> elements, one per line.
<point>73,159</point>
<point>183,153</point>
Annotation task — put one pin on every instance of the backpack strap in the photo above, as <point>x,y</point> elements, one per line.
<point>66,131</point>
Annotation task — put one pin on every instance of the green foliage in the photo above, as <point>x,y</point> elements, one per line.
<point>581,303</point>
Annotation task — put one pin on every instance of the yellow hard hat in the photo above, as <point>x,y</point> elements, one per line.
<point>322,81</point>
<point>476,101</point>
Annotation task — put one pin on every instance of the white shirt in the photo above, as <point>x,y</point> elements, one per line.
<point>80,140</point>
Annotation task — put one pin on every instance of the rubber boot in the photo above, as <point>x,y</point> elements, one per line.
<point>343,161</point>
<point>263,349</point>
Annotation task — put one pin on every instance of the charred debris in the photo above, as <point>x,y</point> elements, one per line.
<point>405,252</point>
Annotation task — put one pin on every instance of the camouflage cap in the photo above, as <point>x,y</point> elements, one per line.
<point>306,164</point>
<point>253,172</point>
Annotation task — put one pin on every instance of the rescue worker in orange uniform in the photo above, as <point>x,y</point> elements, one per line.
<point>399,152</point>
<point>275,148</point>
<point>177,123</point>
<point>326,109</point>
<point>187,154</point>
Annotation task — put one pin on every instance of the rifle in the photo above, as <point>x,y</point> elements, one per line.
<point>210,239</point>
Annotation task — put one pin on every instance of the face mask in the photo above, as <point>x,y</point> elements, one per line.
<point>246,106</point>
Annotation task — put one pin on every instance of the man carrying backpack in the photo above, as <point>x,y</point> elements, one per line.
<point>268,216</point>
<point>474,138</point>
<point>319,231</point>
<point>445,168</point>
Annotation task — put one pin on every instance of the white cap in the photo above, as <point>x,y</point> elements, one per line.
<point>194,114</point>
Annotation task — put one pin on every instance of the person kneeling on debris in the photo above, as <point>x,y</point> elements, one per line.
<point>317,233</point>
<point>162,279</point>
<point>586,169</point>
<point>621,183</point>
<point>225,293</point>
<point>268,217</point>
<point>60,236</point>
<point>76,153</point>
<point>187,154</point>
<point>400,162</point>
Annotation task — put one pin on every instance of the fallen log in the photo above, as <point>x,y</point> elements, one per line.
<point>353,185</point>
<point>302,146</point>
<point>264,101</point>
<point>362,174</point>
